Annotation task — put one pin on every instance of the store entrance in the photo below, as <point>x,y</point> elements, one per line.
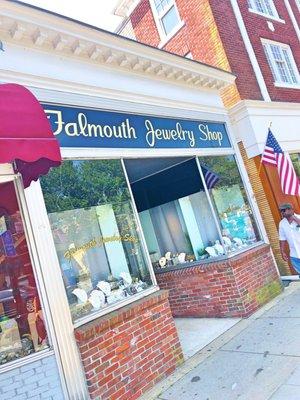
<point>178,227</point>
<point>22,327</point>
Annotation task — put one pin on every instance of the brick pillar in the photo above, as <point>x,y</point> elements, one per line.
<point>126,352</point>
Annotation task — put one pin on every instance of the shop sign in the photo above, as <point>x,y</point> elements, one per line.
<point>78,127</point>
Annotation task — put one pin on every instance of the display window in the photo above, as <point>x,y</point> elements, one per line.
<point>229,198</point>
<point>22,326</point>
<point>190,210</point>
<point>96,234</point>
<point>174,210</point>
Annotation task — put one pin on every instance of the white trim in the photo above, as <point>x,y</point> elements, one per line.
<point>273,66</point>
<point>287,85</point>
<point>27,27</point>
<point>171,34</point>
<point>63,325</point>
<point>165,37</point>
<point>117,306</point>
<point>253,8</point>
<point>292,16</point>
<point>40,355</point>
<point>250,51</point>
<point>267,16</point>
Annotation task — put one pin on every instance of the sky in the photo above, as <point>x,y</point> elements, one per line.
<point>94,12</point>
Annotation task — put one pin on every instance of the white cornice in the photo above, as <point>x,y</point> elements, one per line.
<point>30,27</point>
<point>125,7</point>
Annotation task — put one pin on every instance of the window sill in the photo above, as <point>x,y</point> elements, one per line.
<point>267,16</point>
<point>287,85</point>
<point>97,314</point>
<point>20,362</point>
<point>171,35</point>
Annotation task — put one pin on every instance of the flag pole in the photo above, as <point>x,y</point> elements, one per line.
<point>260,165</point>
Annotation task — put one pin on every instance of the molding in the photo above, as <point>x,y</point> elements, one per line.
<point>250,51</point>
<point>263,105</point>
<point>267,16</point>
<point>41,30</point>
<point>287,86</point>
<point>292,16</point>
<point>62,92</point>
<point>125,7</point>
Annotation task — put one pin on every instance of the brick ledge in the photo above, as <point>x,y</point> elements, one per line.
<point>94,328</point>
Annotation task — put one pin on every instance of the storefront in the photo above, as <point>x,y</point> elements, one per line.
<point>151,194</point>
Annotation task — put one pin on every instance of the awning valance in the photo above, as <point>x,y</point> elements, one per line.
<point>26,137</point>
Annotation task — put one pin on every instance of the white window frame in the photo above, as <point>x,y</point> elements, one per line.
<point>158,21</point>
<point>278,81</point>
<point>298,4</point>
<point>189,55</point>
<point>253,7</point>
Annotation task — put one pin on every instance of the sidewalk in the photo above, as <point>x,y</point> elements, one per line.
<point>257,359</point>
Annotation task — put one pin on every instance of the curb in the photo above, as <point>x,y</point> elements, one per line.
<point>215,345</point>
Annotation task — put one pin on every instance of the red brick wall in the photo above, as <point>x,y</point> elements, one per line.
<point>232,288</point>
<point>201,37</point>
<point>144,25</point>
<point>212,34</point>
<point>296,10</point>
<point>257,28</point>
<point>127,351</point>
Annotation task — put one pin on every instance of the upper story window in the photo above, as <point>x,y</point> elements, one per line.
<point>166,16</point>
<point>298,4</point>
<point>266,7</point>
<point>282,63</point>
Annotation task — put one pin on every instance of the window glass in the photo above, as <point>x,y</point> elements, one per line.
<point>22,328</point>
<point>230,201</point>
<point>281,62</point>
<point>295,157</point>
<point>95,234</point>
<point>170,20</point>
<point>263,6</point>
<point>174,210</point>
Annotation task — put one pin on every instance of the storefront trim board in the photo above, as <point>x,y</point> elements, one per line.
<point>250,121</point>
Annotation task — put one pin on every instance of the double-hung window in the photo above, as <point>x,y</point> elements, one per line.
<point>166,16</point>
<point>266,7</point>
<point>281,62</point>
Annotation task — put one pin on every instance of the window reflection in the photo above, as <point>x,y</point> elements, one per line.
<point>95,234</point>
<point>230,200</point>
<point>174,210</point>
<point>22,328</point>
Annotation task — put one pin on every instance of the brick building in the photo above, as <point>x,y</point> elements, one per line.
<point>148,172</point>
<point>259,42</point>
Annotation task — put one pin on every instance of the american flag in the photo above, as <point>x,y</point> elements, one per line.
<point>211,179</point>
<point>274,155</point>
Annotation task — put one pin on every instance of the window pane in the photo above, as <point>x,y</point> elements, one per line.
<point>22,328</point>
<point>95,233</point>
<point>295,157</point>
<point>174,211</point>
<point>267,52</point>
<point>170,20</point>
<point>230,200</point>
<point>161,5</point>
<point>289,64</point>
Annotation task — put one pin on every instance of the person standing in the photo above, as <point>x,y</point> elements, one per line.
<point>289,233</point>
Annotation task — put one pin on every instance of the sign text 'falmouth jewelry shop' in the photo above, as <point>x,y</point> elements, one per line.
<point>77,127</point>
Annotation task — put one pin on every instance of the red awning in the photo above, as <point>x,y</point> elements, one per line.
<point>25,134</point>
